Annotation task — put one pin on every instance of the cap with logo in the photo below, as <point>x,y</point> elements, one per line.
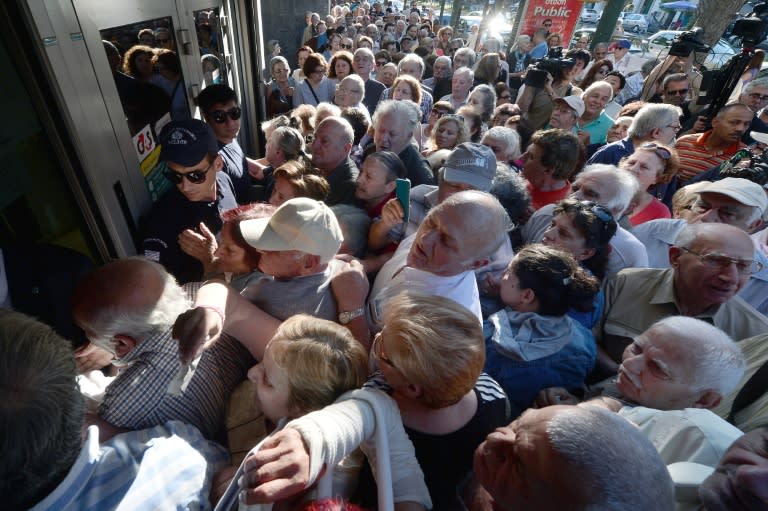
<point>301,224</point>
<point>471,164</point>
<point>575,102</point>
<point>187,142</point>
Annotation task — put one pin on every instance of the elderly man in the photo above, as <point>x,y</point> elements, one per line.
<point>463,57</point>
<point>413,65</point>
<point>457,237</point>
<point>52,463</point>
<point>394,122</point>
<point>442,74</point>
<point>566,113</point>
<point>128,308</point>
<point>531,463</point>
<point>363,64</point>
<point>700,152</point>
<point>548,164</point>
<point>710,265</point>
<point>612,188</point>
<point>461,84</point>
<point>674,91</point>
<point>221,110</point>
<point>755,96</point>
<point>595,122</point>
<point>331,148</point>
<point>734,201</point>
<point>190,151</point>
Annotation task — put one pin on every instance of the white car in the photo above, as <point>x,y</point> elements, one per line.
<point>635,22</point>
<point>589,16</point>
<point>658,45</point>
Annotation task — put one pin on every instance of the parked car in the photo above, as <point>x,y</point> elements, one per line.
<point>589,16</point>
<point>635,22</point>
<point>657,46</point>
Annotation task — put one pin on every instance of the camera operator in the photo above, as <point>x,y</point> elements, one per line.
<point>680,61</point>
<point>546,80</point>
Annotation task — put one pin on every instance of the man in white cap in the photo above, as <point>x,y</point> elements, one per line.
<point>566,113</point>
<point>734,201</point>
<point>297,245</point>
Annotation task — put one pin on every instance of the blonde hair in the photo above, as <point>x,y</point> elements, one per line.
<point>437,345</point>
<point>321,359</point>
<point>462,134</point>
<point>303,182</point>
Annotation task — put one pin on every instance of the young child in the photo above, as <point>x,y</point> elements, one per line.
<point>532,341</point>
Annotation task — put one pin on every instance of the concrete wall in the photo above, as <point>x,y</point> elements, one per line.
<point>284,19</point>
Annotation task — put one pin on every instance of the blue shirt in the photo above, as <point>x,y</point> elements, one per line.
<point>166,467</point>
<point>540,51</point>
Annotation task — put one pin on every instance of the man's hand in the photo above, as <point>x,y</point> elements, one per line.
<point>92,358</point>
<point>350,289</point>
<point>700,125</point>
<point>195,330</point>
<point>200,246</point>
<point>278,470</point>
<point>554,396</point>
<point>584,136</point>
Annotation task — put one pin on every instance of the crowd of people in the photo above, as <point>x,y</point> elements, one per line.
<point>567,308</point>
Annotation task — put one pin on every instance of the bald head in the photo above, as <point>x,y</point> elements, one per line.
<point>133,297</point>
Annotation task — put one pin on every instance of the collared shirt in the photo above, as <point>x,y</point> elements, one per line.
<point>696,158</point>
<point>598,128</point>
<point>659,235</point>
<point>137,397</point>
<point>637,298</point>
<point>169,466</point>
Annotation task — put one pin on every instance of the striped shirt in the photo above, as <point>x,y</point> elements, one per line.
<point>166,467</point>
<point>695,158</point>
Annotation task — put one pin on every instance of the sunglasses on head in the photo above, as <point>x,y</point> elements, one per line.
<point>660,151</point>
<point>195,177</point>
<point>220,116</point>
<point>596,209</point>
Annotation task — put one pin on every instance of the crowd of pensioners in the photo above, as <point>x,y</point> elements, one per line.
<point>444,285</point>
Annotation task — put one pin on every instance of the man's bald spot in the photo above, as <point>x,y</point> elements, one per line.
<point>133,283</point>
<point>485,220</point>
<point>724,235</point>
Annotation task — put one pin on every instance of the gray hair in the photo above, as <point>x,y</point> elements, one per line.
<point>348,133</point>
<point>41,410</point>
<point>140,321</point>
<point>465,71</point>
<point>408,111</point>
<point>489,100</point>
<point>508,137</point>
<point>511,191</point>
<point>622,181</point>
<point>325,110</point>
<point>648,66</point>
<point>290,141</point>
<point>757,83</point>
<point>444,59</point>
<point>411,57</point>
<point>365,51</point>
<point>469,52</point>
<point>716,362</point>
<point>354,223</point>
<point>600,84</point>
<point>596,444</point>
<point>652,116</point>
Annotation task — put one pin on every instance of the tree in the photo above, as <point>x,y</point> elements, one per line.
<point>712,17</point>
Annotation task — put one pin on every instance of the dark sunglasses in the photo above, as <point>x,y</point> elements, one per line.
<point>660,151</point>
<point>346,46</point>
<point>195,177</point>
<point>680,92</point>
<point>439,113</point>
<point>220,116</point>
<point>163,41</point>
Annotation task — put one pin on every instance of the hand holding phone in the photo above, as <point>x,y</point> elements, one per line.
<point>403,195</point>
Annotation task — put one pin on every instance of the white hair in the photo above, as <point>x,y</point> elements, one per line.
<point>616,463</point>
<point>406,110</point>
<point>653,116</point>
<point>716,362</point>
<point>600,84</point>
<point>623,182</point>
<point>411,57</point>
<point>506,136</point>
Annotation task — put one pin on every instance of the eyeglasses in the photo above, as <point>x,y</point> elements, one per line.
<point>720,261</point>
<point>195,177</point>
<point>162,41</point>
<point>682,92</point>
<point>340,90</point>
<point>455,117</point>
<point>378,352</point>
<point>660,151</point>
<point>319,71</point>
<point>603,71</point>
<point>675,127</point>
<point>439,113</point>
<point>758,97</point>
<point>505,96</point>
<point>346,46</point>
<point>382,62</point>
<point>220,116</point>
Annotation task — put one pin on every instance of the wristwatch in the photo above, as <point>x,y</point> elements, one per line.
<point>347,316</point>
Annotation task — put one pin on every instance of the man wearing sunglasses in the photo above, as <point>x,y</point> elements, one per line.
<point>222,112</point>
<point>186,219</point>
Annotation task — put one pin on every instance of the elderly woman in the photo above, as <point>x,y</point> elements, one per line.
<point>341,66</point>
<point>483,100</point>
<point>317,87</point>
<point>651,163</point>
<point>595,122</point>
<point>504,142</point>
<point>280,88</point>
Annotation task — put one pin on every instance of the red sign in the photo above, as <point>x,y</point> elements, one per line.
<point>564,15</point>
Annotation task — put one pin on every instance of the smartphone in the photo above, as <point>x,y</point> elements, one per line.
<point>403,194</point>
